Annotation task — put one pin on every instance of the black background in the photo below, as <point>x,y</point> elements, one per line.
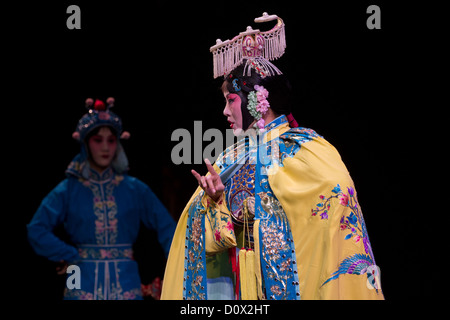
<point>356,87</point>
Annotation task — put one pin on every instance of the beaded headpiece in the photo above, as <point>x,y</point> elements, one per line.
<point>256,47</point>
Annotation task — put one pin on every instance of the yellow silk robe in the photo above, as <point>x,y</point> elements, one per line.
<point>308,185</point>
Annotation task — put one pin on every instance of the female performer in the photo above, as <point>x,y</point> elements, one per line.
<point>101,208</point>
<point>277,215</point>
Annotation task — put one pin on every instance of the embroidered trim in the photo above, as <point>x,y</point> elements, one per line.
<point>279,265</point>
<point>105,208</point>
<point>194,280</point>
<point>105,253</point>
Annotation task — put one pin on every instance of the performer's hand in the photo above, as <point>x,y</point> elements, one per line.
<point>211,184</point>
<point>61,267</point>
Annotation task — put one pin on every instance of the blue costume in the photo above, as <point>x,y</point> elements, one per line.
<point>101,213</point>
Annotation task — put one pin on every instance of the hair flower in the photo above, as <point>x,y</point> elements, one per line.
<point>258,104</point>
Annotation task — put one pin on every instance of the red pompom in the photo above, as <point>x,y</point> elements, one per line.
<point>110,101</point>
<point>76,135</point>
<point>89,102</point>
<point>125,135</point>
<point>99,105</point>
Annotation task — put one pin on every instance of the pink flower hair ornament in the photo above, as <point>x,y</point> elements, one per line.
<point>258,105</point>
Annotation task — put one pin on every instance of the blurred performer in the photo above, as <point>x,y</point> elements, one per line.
<point>101,208</point>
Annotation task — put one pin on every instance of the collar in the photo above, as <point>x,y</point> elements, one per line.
<point>275,128</point>
<point>105,176</point>
<point>79,167</point>
<point>234,157</point>
<point>272,130</point>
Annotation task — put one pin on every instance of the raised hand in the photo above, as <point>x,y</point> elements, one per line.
<point>211,184</point>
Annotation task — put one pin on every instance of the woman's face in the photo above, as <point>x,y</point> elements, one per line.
<point>102,147</point>
<point>233,111</point>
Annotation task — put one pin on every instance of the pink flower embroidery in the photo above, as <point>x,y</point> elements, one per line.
<point>83,253</point>
<point>127,295</point>
<point>128,253</point>
<point>229,226</point>
<point>105,253</point>
<point>217,235</point>
<point>87,296</point>
<point>343,199</point>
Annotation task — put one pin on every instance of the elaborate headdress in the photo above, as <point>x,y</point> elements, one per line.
<point>99,115</point>
<point>257,47</point>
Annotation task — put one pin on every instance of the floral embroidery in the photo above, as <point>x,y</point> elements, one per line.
<point>194,282</point>
<point>352,223</point>
<point>92,253</point>
<point>152,289</point>
<point>115,293</point>
<point>196,232</point>
<point>324,206</point>
<point>277,250</point>
<point>217,235</point>
<point>220,222</point>
<point>276,290</point>
<point>105,206</point>
<point>240,187</point>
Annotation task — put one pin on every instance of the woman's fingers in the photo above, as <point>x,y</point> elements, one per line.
<point>204,185</point>
<point>196,175</point>
<point>210,168</point>
<point>199,178</point>
<point>210,184</point>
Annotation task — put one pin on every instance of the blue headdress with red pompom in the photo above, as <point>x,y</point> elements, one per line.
<point>99,115</point>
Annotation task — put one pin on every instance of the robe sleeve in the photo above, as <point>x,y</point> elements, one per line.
<point>50,214</point>
<point>172,288</point>
<point>219,230</point>
<point>156,217</point>
<point>334,256</point>
<point>218,235</point>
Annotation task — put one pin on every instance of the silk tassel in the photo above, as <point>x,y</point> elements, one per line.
<point>247,264</point>
<point>243,274</point>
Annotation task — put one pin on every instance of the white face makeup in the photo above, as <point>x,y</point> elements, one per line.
<point>233,112</point>
<point>102,147</point>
